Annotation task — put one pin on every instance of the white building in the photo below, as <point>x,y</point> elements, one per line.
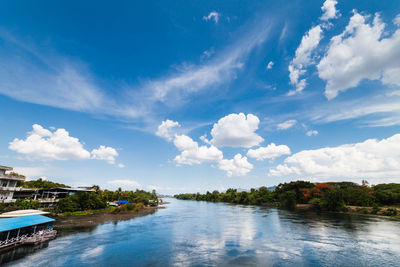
<point>8,184</point>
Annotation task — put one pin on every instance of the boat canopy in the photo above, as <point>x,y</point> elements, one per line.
<point>21,213</point>
<point>25,221</point>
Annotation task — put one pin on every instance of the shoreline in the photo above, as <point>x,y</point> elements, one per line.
<point>92,220</point>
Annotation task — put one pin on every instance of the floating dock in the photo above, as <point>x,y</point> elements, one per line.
<point>28,230</point>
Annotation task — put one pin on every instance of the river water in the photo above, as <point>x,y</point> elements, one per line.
<point>190,233</point>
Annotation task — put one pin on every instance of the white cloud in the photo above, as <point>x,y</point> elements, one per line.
<point>362,51</point>
<point>44,144</point>
<point>269,152</point>
<point>303,58</point>
<point>192,153</point>
<point>165,129</point>
<point>212,16</point>
<point>396,20</point>
<point>105,153</point>
<point>311,132</point>
<point>369,159</point>
<point>205,139</point>
<point>57,144</point>
<point>125,184</point>
<point>172,90</point>
<point>270,65</point>
<point>120,165</point>
<point>238,166</point>
<point>286,125</point>
<point>236,130</point>
<point>329,9</point>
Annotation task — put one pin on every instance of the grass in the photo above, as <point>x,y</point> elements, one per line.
<point>86,212</point>
<point>124,208</point>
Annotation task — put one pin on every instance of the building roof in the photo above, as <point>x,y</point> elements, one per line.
<point>20,222</point>
<point>68,189</point>
<point>5,168</point>
<point>20,213</point>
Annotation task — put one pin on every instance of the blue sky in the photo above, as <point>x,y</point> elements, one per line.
<point>187,96</point>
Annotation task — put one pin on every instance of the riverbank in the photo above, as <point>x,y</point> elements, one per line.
<point>93,218</point>
<point>391,212</point>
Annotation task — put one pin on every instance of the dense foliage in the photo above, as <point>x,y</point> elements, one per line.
<point>333,196</point>
<point>40,183</point>
<point>99,199</point>
<point>83,200</point>
<point>20,204</point>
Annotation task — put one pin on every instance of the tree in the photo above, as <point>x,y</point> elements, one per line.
<point>333,200</point>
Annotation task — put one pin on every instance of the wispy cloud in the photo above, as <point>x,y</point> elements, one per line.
<point>30,75</point>
<point>376,111</point>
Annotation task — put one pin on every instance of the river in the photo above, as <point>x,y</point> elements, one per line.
<point>190,233</point>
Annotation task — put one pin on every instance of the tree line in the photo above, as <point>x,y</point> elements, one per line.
<point>82,200</point>
<point>332,196</point>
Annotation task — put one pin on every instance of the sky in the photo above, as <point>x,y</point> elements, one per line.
<point>190,96</point>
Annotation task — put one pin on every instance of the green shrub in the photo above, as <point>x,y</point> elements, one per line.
<point>375,209</point>
<point>390,212</point>
<point>27,203</point>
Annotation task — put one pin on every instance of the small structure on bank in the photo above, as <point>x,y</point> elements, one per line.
<point>31,229</point>
<point>8,184</point>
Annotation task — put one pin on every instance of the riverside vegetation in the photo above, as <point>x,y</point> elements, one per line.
<point>381,199</point>
<point>85,203</point>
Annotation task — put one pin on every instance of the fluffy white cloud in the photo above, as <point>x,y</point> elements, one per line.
<point>362,51</point>
<point>311,132</point>
<point>269,152</point>
<point>57,144</point>
<point>44,144</point>
<point>270,65</point>
<point>125,184</point>
<point>308,44</point>
<point>192,153</point>
<point>369,159</point>
<point>165,129</point>
<point>238,166</point>
<point>286,125</point>
<point>236,130</point>
<point>303,58</point>
<point>105,153</point>
<point>329,9</point>
<point>212,16</point>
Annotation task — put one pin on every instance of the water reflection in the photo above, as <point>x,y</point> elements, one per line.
<point>190,233</point>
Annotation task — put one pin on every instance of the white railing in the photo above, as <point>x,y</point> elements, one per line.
<point>10,188</point>
<point>38,237</point>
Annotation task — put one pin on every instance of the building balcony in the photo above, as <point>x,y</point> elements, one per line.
<point>10,177</point>
<point>9,188</point>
